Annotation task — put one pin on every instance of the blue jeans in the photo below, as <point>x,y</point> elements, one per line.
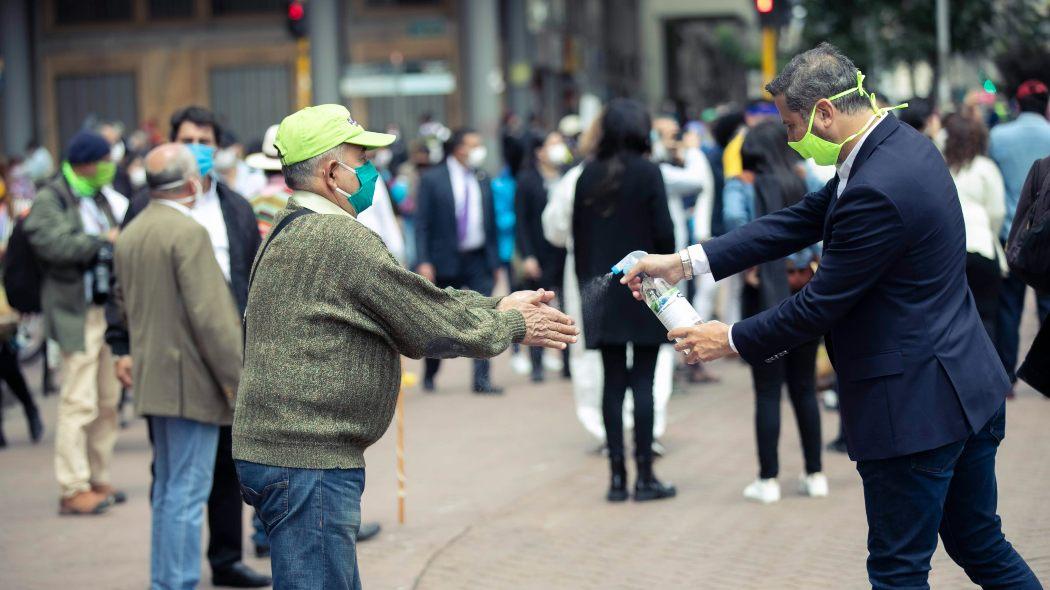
<point>1011,305</point>
<point>950,490</point>
<point>183,463</point>
<point>312,517</point>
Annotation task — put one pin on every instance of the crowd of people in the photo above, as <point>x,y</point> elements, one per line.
<point>147,252</point>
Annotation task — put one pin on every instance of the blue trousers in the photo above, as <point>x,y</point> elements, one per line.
<point>312,517</point>
<point>1011,304</point>
<point>949,490</point>
<point>184,462</point>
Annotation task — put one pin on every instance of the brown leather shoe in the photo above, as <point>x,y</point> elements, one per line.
<point>83,503</point>
<point>114,495</point>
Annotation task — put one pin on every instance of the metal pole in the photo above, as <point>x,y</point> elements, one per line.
<point>943,89</point>
<point>519,71</point>
<point>322,22</point>
<point>303,89</point>
<point>483,84</point>
<point>18,78</point>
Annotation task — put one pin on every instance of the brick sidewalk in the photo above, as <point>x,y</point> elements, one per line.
<point>506,493</point>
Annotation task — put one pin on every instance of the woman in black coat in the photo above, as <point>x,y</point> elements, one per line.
<point>621,206</point>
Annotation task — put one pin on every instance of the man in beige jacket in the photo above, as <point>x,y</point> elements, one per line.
<point>186,342</point>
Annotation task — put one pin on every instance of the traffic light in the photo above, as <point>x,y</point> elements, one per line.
<point>297,18</point>
<point>772,13</point>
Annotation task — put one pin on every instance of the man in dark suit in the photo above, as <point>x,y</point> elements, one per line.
<point>922,392</point>
<point>231,225</point>
<point>456,233</point>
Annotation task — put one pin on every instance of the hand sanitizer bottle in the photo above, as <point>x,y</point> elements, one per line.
<point>666,301</point>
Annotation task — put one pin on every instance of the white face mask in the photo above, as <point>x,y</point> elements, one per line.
<point>225,159</point>
<point>558,154</point>
<point>382,158</point>
<point>137,176</point>
<point>116,153</point>
<point>477,156</point>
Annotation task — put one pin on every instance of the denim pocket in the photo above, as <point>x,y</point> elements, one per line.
<point>938,460</point>
<point>997,425</point>
<point>265,488</point>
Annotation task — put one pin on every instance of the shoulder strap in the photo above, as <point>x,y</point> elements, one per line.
<point>273,234</point>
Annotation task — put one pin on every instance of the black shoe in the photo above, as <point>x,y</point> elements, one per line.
<point>262,551</point>
<point>36,427</point>
<point>837,446</point>
<point>537,377</point>
<point>487,389</point>
<point>368,531</point>
<point>647,487</point>
<point>428,384</point>
<point>617,481</point>
<point>239,575</point>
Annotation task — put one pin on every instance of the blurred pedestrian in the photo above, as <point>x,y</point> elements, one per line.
<point>923,116</point>
<point>330,315</point>
<point>456,235</point>
<point>114,133</point>
<point>273,196</point>
<point>404,189</point>
<point>71,227</point>
<point>542,263</point>
<point>233,170</point>
<point>621,205</point>
<point>1015,146</point>
<point>186,345</point>
<point>234,235</point>
<point>38,164</point>
<point>981,195</point>
<point>772,179</point>
<point>1034,206</point>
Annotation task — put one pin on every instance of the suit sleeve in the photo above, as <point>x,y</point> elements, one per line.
<point>117,336</point>
<point>212,315</point>
<point>55,238</point>
<point>867,237</point>
<point>770,237</point>
<point>424,212</point>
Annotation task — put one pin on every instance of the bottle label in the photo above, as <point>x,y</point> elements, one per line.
<point>675,312</point>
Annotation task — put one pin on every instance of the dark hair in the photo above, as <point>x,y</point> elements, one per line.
<point>918,112</point>
<point>197,115</point>
<point>967,138</point>
<point>456,139</point>
<point>821,72</point>
<point>724,128</point>
<point>766,153</point>
<point>625,129</point>
<point>1034,103</point>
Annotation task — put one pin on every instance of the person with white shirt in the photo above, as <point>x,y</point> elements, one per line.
<point>456,237</point>
<point>983,199</point>
<point>922,389</point>
<point>230,221</point>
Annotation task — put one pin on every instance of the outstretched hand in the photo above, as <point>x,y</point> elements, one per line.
<point>544,325</point>
<point>664,266</point>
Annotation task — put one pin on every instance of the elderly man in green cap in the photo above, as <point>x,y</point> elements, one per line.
<point>330,313</point>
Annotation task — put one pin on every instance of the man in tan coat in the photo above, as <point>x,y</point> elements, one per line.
<point>186,346</point>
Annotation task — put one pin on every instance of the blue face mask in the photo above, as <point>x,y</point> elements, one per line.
<point>367,175</point>
<point>205,155</point>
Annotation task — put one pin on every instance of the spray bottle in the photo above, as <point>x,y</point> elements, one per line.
<point>666,301</point>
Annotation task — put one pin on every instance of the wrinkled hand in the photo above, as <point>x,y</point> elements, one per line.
<point>532,269</point>
<point>664,266</point>
<point>703,342</point>
<point>544,325</point>
<point>123,368</point>
<point>426,270</point>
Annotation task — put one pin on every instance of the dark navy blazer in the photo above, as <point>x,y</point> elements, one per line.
<point>437,241</point>
<point>916,368</point>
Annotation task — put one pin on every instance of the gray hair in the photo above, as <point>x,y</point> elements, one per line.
<point>300,175</point>
<point>821,72</point>
<point>168,164</point>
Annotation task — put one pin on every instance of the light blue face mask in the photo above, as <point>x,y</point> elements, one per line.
<point>367,175</point>
<point>205,155</point>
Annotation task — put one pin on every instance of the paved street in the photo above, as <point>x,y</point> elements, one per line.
<point>507,493</point>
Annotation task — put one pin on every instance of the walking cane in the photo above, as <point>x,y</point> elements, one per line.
<point>407,380</point>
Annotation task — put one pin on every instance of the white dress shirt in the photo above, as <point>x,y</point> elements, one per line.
<point>208,213</point>
<point>460,175</point>
<point>698,257</point>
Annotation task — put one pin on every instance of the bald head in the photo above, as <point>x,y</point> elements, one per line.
<point>169,169</point>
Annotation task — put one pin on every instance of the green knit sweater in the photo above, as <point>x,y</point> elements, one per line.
<point>329,315</point>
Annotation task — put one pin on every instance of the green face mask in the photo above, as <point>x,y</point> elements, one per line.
<point>87,186</point>
<point>824,152</point>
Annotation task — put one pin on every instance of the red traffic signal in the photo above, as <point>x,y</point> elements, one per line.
<point>297,18</point>
<point>764,6</point>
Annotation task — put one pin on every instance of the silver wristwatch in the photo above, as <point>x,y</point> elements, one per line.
<point>687,264</point>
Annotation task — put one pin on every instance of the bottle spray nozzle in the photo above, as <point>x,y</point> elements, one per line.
<point>628,262</point>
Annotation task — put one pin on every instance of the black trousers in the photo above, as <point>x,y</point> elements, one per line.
<point>798,369</point>
<point>639,377</point>
<point>11,373</point>
<point>476,275</point>
<point>985,280</point>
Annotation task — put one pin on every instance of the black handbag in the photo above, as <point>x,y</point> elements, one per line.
<point>1028,249</point>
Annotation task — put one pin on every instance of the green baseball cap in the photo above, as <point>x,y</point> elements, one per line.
<point>315,130</point>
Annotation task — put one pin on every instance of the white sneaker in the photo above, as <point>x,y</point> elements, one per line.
<point>552,363</point>
<point>766,491</point>
<point>814,485</point>
<point>520,363</point>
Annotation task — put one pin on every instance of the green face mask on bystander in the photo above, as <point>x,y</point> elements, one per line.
<point>88,186</point>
